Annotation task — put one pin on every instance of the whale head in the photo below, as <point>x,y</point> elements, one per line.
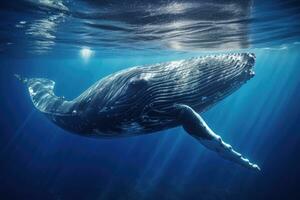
<point>247,64</point>
<point>249,61</point>
<point>223,75</point>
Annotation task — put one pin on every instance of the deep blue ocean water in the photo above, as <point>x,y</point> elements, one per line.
<point>38,160</point>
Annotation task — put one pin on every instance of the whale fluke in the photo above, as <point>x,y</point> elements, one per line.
<point>43,97</point>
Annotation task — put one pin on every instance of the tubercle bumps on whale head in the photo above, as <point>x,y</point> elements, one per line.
<point>249,59</point>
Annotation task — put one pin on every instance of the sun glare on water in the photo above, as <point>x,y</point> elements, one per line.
<point>86,52</point>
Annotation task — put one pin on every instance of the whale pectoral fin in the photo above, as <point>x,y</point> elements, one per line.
<point>194,124</point>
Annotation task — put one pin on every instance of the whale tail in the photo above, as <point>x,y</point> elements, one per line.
<point>43,97</point>
<point>58,110</point>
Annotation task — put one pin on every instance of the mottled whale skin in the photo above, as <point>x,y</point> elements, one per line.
<point>147,99</point>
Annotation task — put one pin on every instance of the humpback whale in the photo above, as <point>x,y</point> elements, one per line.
<point>146,99</point>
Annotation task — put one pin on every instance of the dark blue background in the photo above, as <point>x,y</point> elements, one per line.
<point>261,120</point>
<point>38,160</point>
